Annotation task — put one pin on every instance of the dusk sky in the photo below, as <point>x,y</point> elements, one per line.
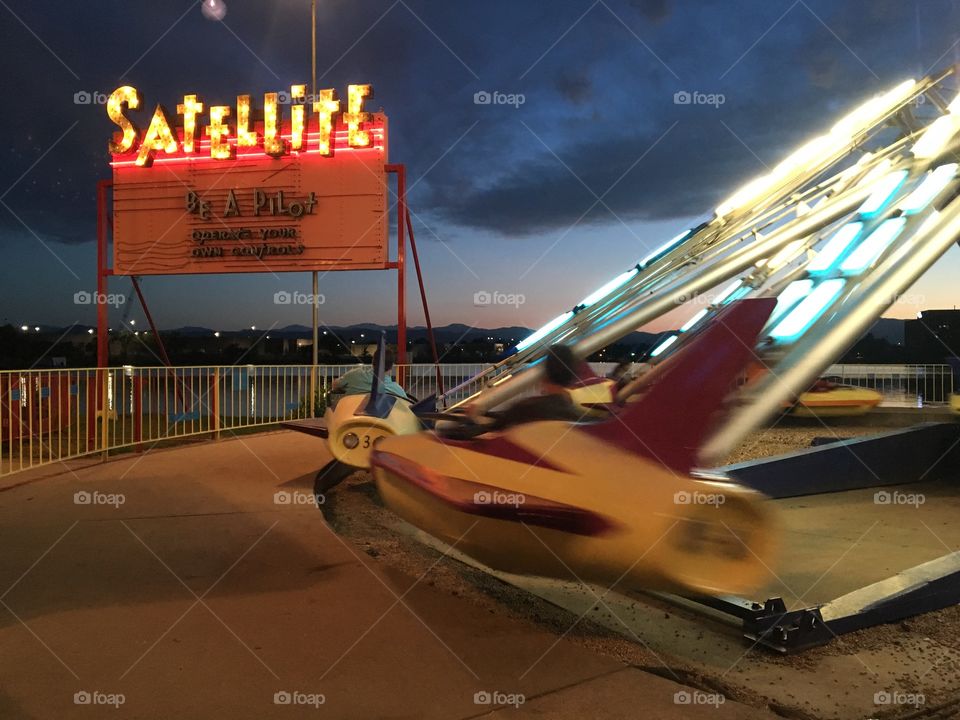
<point>547,199</point>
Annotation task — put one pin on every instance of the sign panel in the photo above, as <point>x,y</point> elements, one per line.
<point>275,195</point>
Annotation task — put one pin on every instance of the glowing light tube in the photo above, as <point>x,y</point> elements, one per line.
<point>875,243</point>
<point>663,249</point>
<point>809,309</point>
<point>790,296</point>
<point>881,195</point>
<point>694,320</point>
<point>936,137</point>
<point>727,292</point>
<point>928,190</point>
<point>618,281</point>
<point>786,255</point>
<point>820,148</point>
<point>664,345</point>
<point>840,241</point>
<point>737,294</point>
<point>544,331</point>
<point>872,110</point>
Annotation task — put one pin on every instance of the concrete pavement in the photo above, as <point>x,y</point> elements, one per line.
<point>179,583</point>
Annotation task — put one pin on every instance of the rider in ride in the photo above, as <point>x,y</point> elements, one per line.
<point>554,403</point>
<point>359,381</point>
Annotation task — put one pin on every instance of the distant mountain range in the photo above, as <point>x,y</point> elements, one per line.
<point>889,329</point>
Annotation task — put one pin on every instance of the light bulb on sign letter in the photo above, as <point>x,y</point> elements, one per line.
<point>130,97</point>
<point>190,108</point>
<point>355,116</point>
<point>159,137</point>
<point>296,116</point>
<point>272,142</point>
<point>326,107</point>
<point>218,131</point>
<point>245,136</point>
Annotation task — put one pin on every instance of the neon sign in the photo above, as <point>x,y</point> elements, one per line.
<point>228,131</point>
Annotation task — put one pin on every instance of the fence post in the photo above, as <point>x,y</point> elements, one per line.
<point>215,402</point>
<point>138,412</point>
<point>93,399</point>
<point>105,412</point>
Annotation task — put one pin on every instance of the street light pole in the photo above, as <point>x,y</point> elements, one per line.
<point>316,281</point>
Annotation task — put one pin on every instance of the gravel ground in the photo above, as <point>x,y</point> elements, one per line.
<point>790,435</point>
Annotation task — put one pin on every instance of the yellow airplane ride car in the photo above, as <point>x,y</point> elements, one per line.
<point>615,502</point>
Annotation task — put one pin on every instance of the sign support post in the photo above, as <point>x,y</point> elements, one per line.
<point>103,348</point>
<point>314,309</point>
<point>401,172</point>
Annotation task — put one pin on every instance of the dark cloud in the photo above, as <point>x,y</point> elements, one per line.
<point>427,62</point>
<point>656,11</point>
<point>683,174</point>
<point>575,87</point>
<point>811,67</point>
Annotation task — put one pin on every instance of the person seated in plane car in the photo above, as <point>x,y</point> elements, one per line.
<point>554,402</point>
<point>621,374</point>
<point>359,381</point>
